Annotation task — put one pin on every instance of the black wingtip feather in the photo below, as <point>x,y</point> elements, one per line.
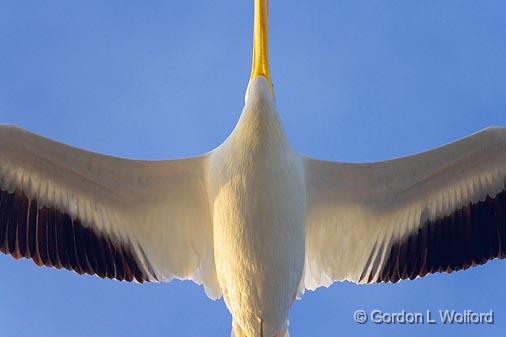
<point>50,237</point>
<point>470,236</point>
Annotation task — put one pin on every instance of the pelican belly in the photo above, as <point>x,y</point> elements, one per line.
<point>259,212</point>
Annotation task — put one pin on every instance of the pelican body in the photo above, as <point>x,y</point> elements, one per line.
<point>258,199</point>
<point>252,220</point>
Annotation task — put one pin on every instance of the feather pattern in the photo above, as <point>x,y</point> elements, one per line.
<point>437,211</point>
<point>122,219</point>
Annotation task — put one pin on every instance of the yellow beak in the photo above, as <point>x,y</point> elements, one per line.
<point>260,43</point>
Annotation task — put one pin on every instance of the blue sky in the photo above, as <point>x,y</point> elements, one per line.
<point>354,80</point>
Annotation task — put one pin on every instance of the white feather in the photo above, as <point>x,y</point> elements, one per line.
<point>391,199</point>
<point>168,213</point>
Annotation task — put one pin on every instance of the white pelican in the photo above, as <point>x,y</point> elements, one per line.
<point>252,220</point>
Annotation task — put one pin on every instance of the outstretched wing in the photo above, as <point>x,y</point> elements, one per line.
<point>121,219</point>
<point>441,210</point>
